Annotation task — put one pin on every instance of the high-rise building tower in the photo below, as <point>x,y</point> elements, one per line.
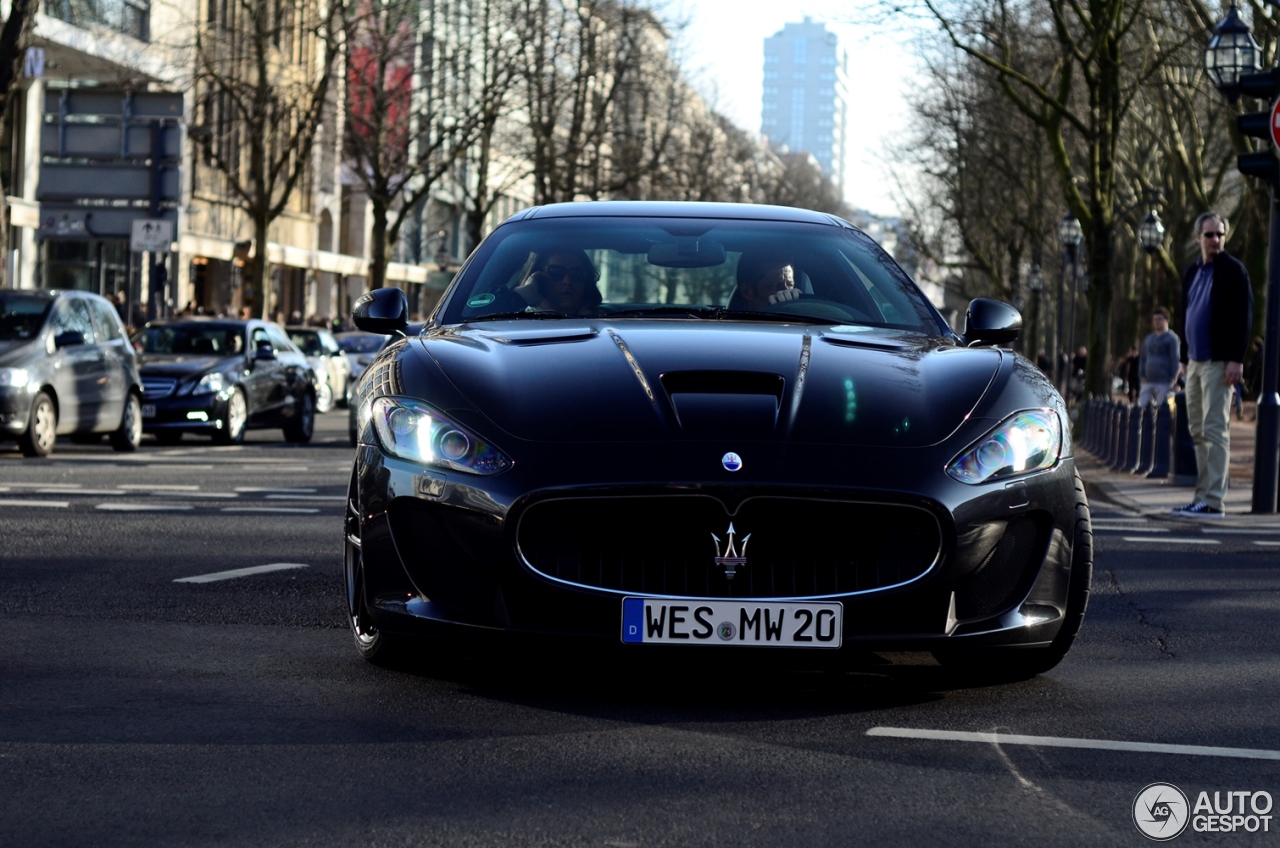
<point>805,94</point>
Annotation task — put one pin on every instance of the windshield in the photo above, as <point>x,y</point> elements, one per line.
<point>361,342</point>
<point>687,268</point>
<point>209,339</point>
<point>22,317</point>
<point>308,343</point>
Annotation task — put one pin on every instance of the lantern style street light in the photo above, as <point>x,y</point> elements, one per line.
<point>1069,233</point>
<point>1151,232</point>
<point>1232,51</point>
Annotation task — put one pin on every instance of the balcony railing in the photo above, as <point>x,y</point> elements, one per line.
<point>131,17</point>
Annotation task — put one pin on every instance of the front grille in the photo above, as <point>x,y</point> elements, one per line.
<point>157,387</point>
<point>794,547</point>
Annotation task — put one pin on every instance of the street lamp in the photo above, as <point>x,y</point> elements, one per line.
<point>1231,53</point>
<point>1069,233</point>
<point>1151,232</point>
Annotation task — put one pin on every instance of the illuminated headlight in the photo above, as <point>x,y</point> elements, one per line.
<point>210,384</point>
<point>415,431</point>
<point>15,377</point>
<point>1023,443</point>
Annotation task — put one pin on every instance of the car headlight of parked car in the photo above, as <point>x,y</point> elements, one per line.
<point>210,384</point>
<point>14,377</point>
<point>416,432</point>
<point>1021,444</point>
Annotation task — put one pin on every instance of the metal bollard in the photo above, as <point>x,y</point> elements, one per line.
<point>1162,443</point>
<point>1130,438</point>
<point>1146,435</point>
<point>1091,426</point>
<point>1121,459</point>
<point>1184,448</point>
<point>1113,437</point>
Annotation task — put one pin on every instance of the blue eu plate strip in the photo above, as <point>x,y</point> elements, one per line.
<point>633,619</point>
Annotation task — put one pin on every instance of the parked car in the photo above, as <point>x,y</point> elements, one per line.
<point>66,367</point>
<point>689,427</point>
<point>220,377</point>
<point>333,370</point>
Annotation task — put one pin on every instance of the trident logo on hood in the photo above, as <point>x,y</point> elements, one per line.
<point>732,558</point>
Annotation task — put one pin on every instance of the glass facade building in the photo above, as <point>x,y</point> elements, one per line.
<point>804,106</point>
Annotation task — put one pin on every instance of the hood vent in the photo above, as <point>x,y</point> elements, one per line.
<point>719,404</point>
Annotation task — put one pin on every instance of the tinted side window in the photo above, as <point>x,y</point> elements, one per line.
<point>259,336</point>
<point>107,322</point>
<point>279,339</point>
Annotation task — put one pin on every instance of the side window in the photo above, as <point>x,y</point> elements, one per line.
<point>259,337</point>
<point>279,339</point>
<point>73,314</point>
<point>330,344</point>
<point>106,322</point>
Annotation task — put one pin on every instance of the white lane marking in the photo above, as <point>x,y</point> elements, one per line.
<point>1227,531</point>
<point>194,494</point>
<point>1119,521</point>
<point>1173,540</point>
<point>276,469</point>
<point>241,572</point>
<point>180,467</point>
<point>135,507</point>
<point>1266,543</point>
<point>44,485</point>
<point>325,498</point>
<point>252,489</point>
<point>48,504</point>
<point>1132,529</point>
<point>270,509</point>
<point>112,492</point>
<point>1061,742</point>
<point>149,487</point>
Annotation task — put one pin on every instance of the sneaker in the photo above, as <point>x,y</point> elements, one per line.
<point>1200,510</point>
<point>1178,510</point>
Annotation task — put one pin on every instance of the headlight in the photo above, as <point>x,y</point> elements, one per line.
<point>414,431</point>
<point>15,377</point>
<point>210,384</point>
<point>1023,443</point>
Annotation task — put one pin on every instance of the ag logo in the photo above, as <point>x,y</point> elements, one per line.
<point>1160,811</point>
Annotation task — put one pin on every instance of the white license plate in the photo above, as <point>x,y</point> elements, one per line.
<point>698,621</point>
<point>148,410</point>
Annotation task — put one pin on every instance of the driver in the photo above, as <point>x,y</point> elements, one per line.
<point>564,281</point>
<point>764,280</point>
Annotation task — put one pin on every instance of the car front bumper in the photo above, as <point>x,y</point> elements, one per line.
<point>188,413</point>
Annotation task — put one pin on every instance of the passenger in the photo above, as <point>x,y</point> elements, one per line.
<point>764,280</point>
<point>563,281</point>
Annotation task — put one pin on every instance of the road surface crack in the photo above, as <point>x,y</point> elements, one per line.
<point>1160,633</point>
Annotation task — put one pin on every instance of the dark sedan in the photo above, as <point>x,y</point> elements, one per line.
<point>218,378</point>
<point>690,427</point>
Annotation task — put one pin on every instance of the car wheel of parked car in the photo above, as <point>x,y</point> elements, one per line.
<point>169,437</point>
<point>1012,664</point>
<point>324,397</point>
<point>129,434</point>
<point>233,425</point>
<point>375,646</point>
<point>42,427</point>
<point>303,423</point>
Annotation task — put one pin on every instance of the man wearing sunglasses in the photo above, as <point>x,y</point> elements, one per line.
<point>1217,307</point>
<point>564,281</point>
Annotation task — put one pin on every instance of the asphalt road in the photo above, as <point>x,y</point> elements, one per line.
<point>137,710</point>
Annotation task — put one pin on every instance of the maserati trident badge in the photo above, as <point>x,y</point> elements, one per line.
<point>731,461</point>
<point>732,559</point>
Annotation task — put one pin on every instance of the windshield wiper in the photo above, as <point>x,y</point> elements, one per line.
<point>507,316</point>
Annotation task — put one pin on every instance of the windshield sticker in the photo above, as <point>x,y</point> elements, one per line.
<point>481,300</point>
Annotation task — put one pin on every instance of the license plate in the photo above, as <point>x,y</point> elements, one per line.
<point>148,410</point>
<point>697,621</point>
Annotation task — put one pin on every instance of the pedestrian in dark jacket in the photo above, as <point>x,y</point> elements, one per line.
<point>1217,308</point>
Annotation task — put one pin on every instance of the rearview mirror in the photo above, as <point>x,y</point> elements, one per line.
<point>687,252</point>
<point>384,310</point>
<point>991,322</point>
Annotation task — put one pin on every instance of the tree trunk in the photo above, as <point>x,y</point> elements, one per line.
<point>378,246</point>
<point>255,270</point>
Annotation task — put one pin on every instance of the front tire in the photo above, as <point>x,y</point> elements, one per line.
<point>378,648</point>
<point>237,417</point>
<point>128,435</point>
<point>299,430</point>
<point>324,397</point>
<point>996,665</point>
<point>42,427</point>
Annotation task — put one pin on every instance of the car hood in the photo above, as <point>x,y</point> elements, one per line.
<point>646,381</point>
<point>178,365</point>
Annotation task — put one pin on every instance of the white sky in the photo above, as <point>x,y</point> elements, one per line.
<point>724,53</point>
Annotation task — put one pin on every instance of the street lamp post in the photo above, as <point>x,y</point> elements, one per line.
<point>1069,233</point>
<point>1231,53</point>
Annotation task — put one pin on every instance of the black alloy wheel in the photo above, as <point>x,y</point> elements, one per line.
<point>375,646</point>
<point>42,427</point>
<point>299,429</point>
<point>128,435</point>
<point>1009,665</point>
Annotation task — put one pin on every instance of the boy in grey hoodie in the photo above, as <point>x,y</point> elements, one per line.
<point>1159,361</point>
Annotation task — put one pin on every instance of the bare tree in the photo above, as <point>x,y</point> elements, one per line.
<point>263,71</point>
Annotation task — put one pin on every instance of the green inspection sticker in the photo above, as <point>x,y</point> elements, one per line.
<point>481,300</point>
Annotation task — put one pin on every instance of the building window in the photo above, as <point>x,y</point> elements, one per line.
<point>131,17</point>
<point>771,75</point>
<point>772,58</point>
<point>798,76</point>
<point>800,51</point>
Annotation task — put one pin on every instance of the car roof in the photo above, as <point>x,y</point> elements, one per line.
<point>678,209</point>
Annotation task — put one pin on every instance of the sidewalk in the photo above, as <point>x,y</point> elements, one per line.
<point>1156,498</point>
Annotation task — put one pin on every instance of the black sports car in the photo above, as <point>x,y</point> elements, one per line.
<point>711,426</point>
<point>220,377</point>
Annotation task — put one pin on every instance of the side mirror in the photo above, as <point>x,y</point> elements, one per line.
<point>264,352</point>
<point>68,338</point>
<point>991,322</point>
<point>384,310</point>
